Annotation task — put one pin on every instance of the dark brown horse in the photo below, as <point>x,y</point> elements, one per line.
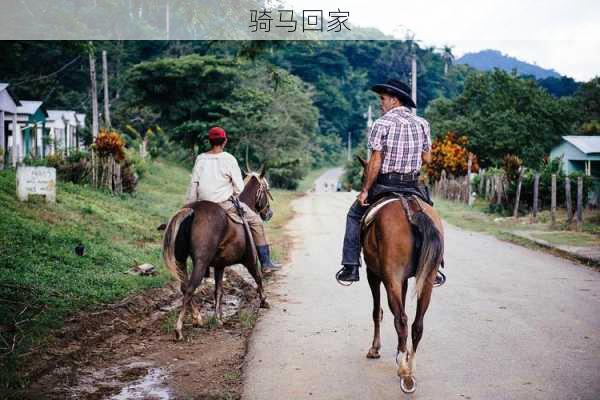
<point>203,231</point>
<point>391,256</point>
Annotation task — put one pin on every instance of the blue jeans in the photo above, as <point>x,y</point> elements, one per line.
<point>351,250</point>
<point>352,247</point>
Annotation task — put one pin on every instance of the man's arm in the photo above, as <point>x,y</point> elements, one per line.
<point>236,178</point>
<point>373,168</point>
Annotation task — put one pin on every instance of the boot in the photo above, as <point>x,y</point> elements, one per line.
<point>265,259</point>
<point>348,274</point>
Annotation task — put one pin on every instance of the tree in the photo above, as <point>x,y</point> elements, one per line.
<point>448,58</point>
<point>501,114</point>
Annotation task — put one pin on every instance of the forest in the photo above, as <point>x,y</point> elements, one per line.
<point>294,104</point>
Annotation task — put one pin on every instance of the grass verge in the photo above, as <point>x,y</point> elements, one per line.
<point>42,280</point>
<point>477,219</point>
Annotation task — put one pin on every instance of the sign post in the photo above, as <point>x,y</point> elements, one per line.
<point>38,181</point>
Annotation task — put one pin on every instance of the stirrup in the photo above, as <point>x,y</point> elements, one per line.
<point>343,283</point>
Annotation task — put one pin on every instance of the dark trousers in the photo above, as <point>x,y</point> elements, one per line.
<point>352,247</point>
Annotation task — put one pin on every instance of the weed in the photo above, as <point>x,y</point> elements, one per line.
<point>247,318</point>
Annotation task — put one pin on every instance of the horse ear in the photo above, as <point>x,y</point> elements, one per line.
<point>263,170</point>
<point>362,162</point>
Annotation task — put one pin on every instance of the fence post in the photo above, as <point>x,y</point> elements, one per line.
<point>443,185</point>
<point>481,178</point>
<point>499,191</point>
<point>579,202</point>
<point>469,166</point>
<point>553,201</point>
<point>536,187</point>
<point>518,196</point>
<point>568,199</point>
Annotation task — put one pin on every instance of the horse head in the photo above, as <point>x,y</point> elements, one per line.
<point>256,193</point>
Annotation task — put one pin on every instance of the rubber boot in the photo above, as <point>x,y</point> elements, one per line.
<point>264,257</point>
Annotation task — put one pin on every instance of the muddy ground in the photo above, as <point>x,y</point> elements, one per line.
<point>127,350</point>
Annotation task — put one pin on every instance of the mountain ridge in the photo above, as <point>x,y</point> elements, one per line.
<point>486,60</point>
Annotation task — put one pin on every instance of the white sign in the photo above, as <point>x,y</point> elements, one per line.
<point>36,180</point>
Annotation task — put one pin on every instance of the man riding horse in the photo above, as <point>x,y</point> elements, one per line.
<point>217,177</point>
<point>400,143</point>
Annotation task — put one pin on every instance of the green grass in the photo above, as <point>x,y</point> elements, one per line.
<point>42,280</point>
<point>477,219</point>
<point>247,318</point>
<point>569,238</point>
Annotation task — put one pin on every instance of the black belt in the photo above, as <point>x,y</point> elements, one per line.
<point>393,178</point>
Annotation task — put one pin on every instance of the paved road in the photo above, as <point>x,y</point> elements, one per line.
<point>511,323</point>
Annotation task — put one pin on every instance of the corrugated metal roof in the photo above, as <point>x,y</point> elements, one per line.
<point>59,114</point>
<point>586,144</point>
<point>28,106</point>
<point>81,119</point>
<point>3,86</point>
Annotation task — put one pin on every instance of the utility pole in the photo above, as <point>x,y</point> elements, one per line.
<point>414,80</point>
<point>105,83</point>
<point>349,147</point>
<point>369,125</point>
<point>94,92</point>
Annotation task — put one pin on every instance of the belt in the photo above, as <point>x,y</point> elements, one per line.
<point>398,177</point>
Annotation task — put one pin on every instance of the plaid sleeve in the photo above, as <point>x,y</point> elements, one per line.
<point>376,136</point>
<point>427,138</point>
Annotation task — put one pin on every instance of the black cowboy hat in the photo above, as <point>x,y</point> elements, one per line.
<point>398,89</point>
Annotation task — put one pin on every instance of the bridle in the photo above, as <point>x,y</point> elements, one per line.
<point>262,194</point>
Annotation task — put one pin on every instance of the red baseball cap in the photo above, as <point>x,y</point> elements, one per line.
<point>216,132</point>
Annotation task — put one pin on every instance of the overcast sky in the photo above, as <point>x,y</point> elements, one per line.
<point>558,34</point>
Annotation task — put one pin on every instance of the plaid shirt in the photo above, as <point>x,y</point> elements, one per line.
<point>401,137</point>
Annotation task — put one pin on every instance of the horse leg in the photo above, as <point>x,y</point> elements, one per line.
<point>394,292</point>
<point>417,326</point>
<point>188,289</point>
<point>375,284</point>
<point>253,269</point>
<point>219,294</point>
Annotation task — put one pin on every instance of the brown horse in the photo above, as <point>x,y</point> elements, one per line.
<point>203,231</point>
<point>391,256</point>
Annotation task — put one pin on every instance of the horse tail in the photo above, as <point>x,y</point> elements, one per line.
<point>432,249</point>
<point>169,243</point>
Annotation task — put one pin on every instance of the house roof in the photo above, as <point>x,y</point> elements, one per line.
<point>3,86</point>
<point>28,106</point>
<point>81,119</point>
<point>585,144</point>
<point>69,115</point>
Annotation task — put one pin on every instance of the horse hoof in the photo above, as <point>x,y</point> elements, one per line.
<point>264,304</point>
<point>408,384</point>
<point>373,354</point>
<point>178,336</point>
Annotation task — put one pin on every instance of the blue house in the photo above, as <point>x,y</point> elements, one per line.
<point>579,154</point>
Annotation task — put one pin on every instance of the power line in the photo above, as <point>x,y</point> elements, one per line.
<point>39,78</point>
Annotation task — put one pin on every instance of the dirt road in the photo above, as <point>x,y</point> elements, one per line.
<point>511,323</point>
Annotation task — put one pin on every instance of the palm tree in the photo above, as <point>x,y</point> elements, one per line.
<point>448,57</point>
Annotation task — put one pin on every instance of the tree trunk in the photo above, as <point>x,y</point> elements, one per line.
<point>94,96</point>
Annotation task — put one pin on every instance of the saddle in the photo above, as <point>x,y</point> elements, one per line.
<point>410,203</point>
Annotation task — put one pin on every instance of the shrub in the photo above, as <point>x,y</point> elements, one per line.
<point>450,153</point>
<point>110,143</point>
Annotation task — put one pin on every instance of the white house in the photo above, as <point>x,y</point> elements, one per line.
<point>9,142</point>
<point>31,118</point>
<point>64,126</point>
<point>579,153</point>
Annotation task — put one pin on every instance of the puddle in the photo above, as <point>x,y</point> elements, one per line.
<point>150,387</point>
<point>131,381</point>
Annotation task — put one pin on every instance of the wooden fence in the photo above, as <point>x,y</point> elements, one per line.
<point>493,189</point>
